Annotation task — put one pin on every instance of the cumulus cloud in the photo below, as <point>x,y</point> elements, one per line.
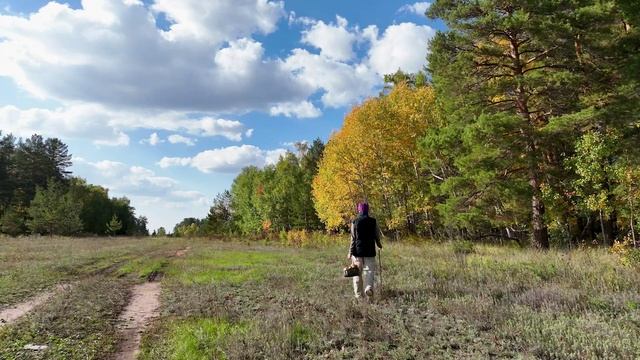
<point>153,140</point>
<point>73,122</point>
<point>107,127</point>
<point>179,139</point>
<point>304,109</point>
<point>343,80</point>
<point>342,84</point>
<point>113,53</point>
<point>335,41</point>
<point>226,160</point>
<point>402,46</point>
<point>220,20</point>
<point>125,179</point>
<point>418,8</point>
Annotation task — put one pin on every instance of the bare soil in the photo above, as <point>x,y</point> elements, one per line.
<point>183,252</point>
<point>15,312</point>
<point>142,309</point>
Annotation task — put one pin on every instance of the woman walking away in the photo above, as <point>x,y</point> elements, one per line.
<point>365,235</point>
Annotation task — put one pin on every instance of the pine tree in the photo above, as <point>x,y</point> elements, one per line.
<point>519,82</point>
<point>114,225</point>
<point>13,222</point>
<point>53,211</point>
<point>219,221</point>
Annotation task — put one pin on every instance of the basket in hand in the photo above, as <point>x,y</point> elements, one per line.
<point>351,270</point>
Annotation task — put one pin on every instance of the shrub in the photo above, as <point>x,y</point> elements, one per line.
<point>463,247</point>
<point>628,254</point>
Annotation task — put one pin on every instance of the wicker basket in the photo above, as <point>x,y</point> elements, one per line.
<point>351,271</point>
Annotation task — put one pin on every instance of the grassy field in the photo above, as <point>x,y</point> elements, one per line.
<point>252,301</point>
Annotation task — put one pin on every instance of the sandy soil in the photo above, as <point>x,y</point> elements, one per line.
<point>11,314</point>
<point>183,252</point>
<point>142,308</point>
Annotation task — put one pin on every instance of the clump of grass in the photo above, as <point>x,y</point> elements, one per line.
<point>195,339</point>
<point>300,336</point>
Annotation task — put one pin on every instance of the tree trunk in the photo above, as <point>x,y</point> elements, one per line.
<point>610,228</point>
<point>540,232</point>
<point>633,230</point>
<point>604,234</point>
<point>540,236</point>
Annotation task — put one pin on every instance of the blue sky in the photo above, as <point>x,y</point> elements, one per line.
<point>165,101</point>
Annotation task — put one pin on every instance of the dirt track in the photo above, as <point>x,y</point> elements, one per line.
<point>11,314</point>
<point>143,307</point>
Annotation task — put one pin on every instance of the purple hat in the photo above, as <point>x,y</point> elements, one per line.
<point>363,208</point>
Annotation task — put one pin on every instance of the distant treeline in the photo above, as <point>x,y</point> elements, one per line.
<point>524,127</point>
<point>262,201</point>
<point>38,195</point>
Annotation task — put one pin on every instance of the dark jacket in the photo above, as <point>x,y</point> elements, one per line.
<point>365,234</point>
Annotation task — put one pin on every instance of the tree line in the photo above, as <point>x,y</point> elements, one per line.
<point>39,195</point>
<point>265,200</point>
<point>524,126</point>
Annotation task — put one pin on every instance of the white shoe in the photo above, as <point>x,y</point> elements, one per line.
<point>368,291</point>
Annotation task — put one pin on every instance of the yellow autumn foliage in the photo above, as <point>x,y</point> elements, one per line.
<point>374,157</point>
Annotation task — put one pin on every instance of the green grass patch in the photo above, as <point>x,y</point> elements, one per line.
<point>229,266</point>
<point>143,267</point>
<point>195,339</point>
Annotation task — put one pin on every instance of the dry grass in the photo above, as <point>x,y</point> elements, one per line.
<point>251,301</point>
<point>494,303</point>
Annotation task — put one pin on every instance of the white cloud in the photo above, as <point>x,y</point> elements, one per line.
<point>418,8</point>
<point>106,127</point>
<point>179,139</point>
<point>226,160</point>
<point>73,122</point>
<point>335,41</point>
<point>343,84</point>
<point>125,179</point>
<point>219,20</point>
<point>112,53</point>
<point>335,73</point>
<point>304,109</point>
<point>402,46</point>
<point>153,140</point>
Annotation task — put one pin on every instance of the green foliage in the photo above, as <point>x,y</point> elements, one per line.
<point>277,197</point>
<point>114,225</point>
<point>219,221</point>
<point>189,227</point>
<point>97,209</point>
<point>463,247</point>
<point>54,211</point>
<point>538,109</point>
<point>13,222</point>
<point>161,232</point>
<point>32,164</point>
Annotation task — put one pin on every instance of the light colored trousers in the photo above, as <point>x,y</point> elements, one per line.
<point>367,267</point>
